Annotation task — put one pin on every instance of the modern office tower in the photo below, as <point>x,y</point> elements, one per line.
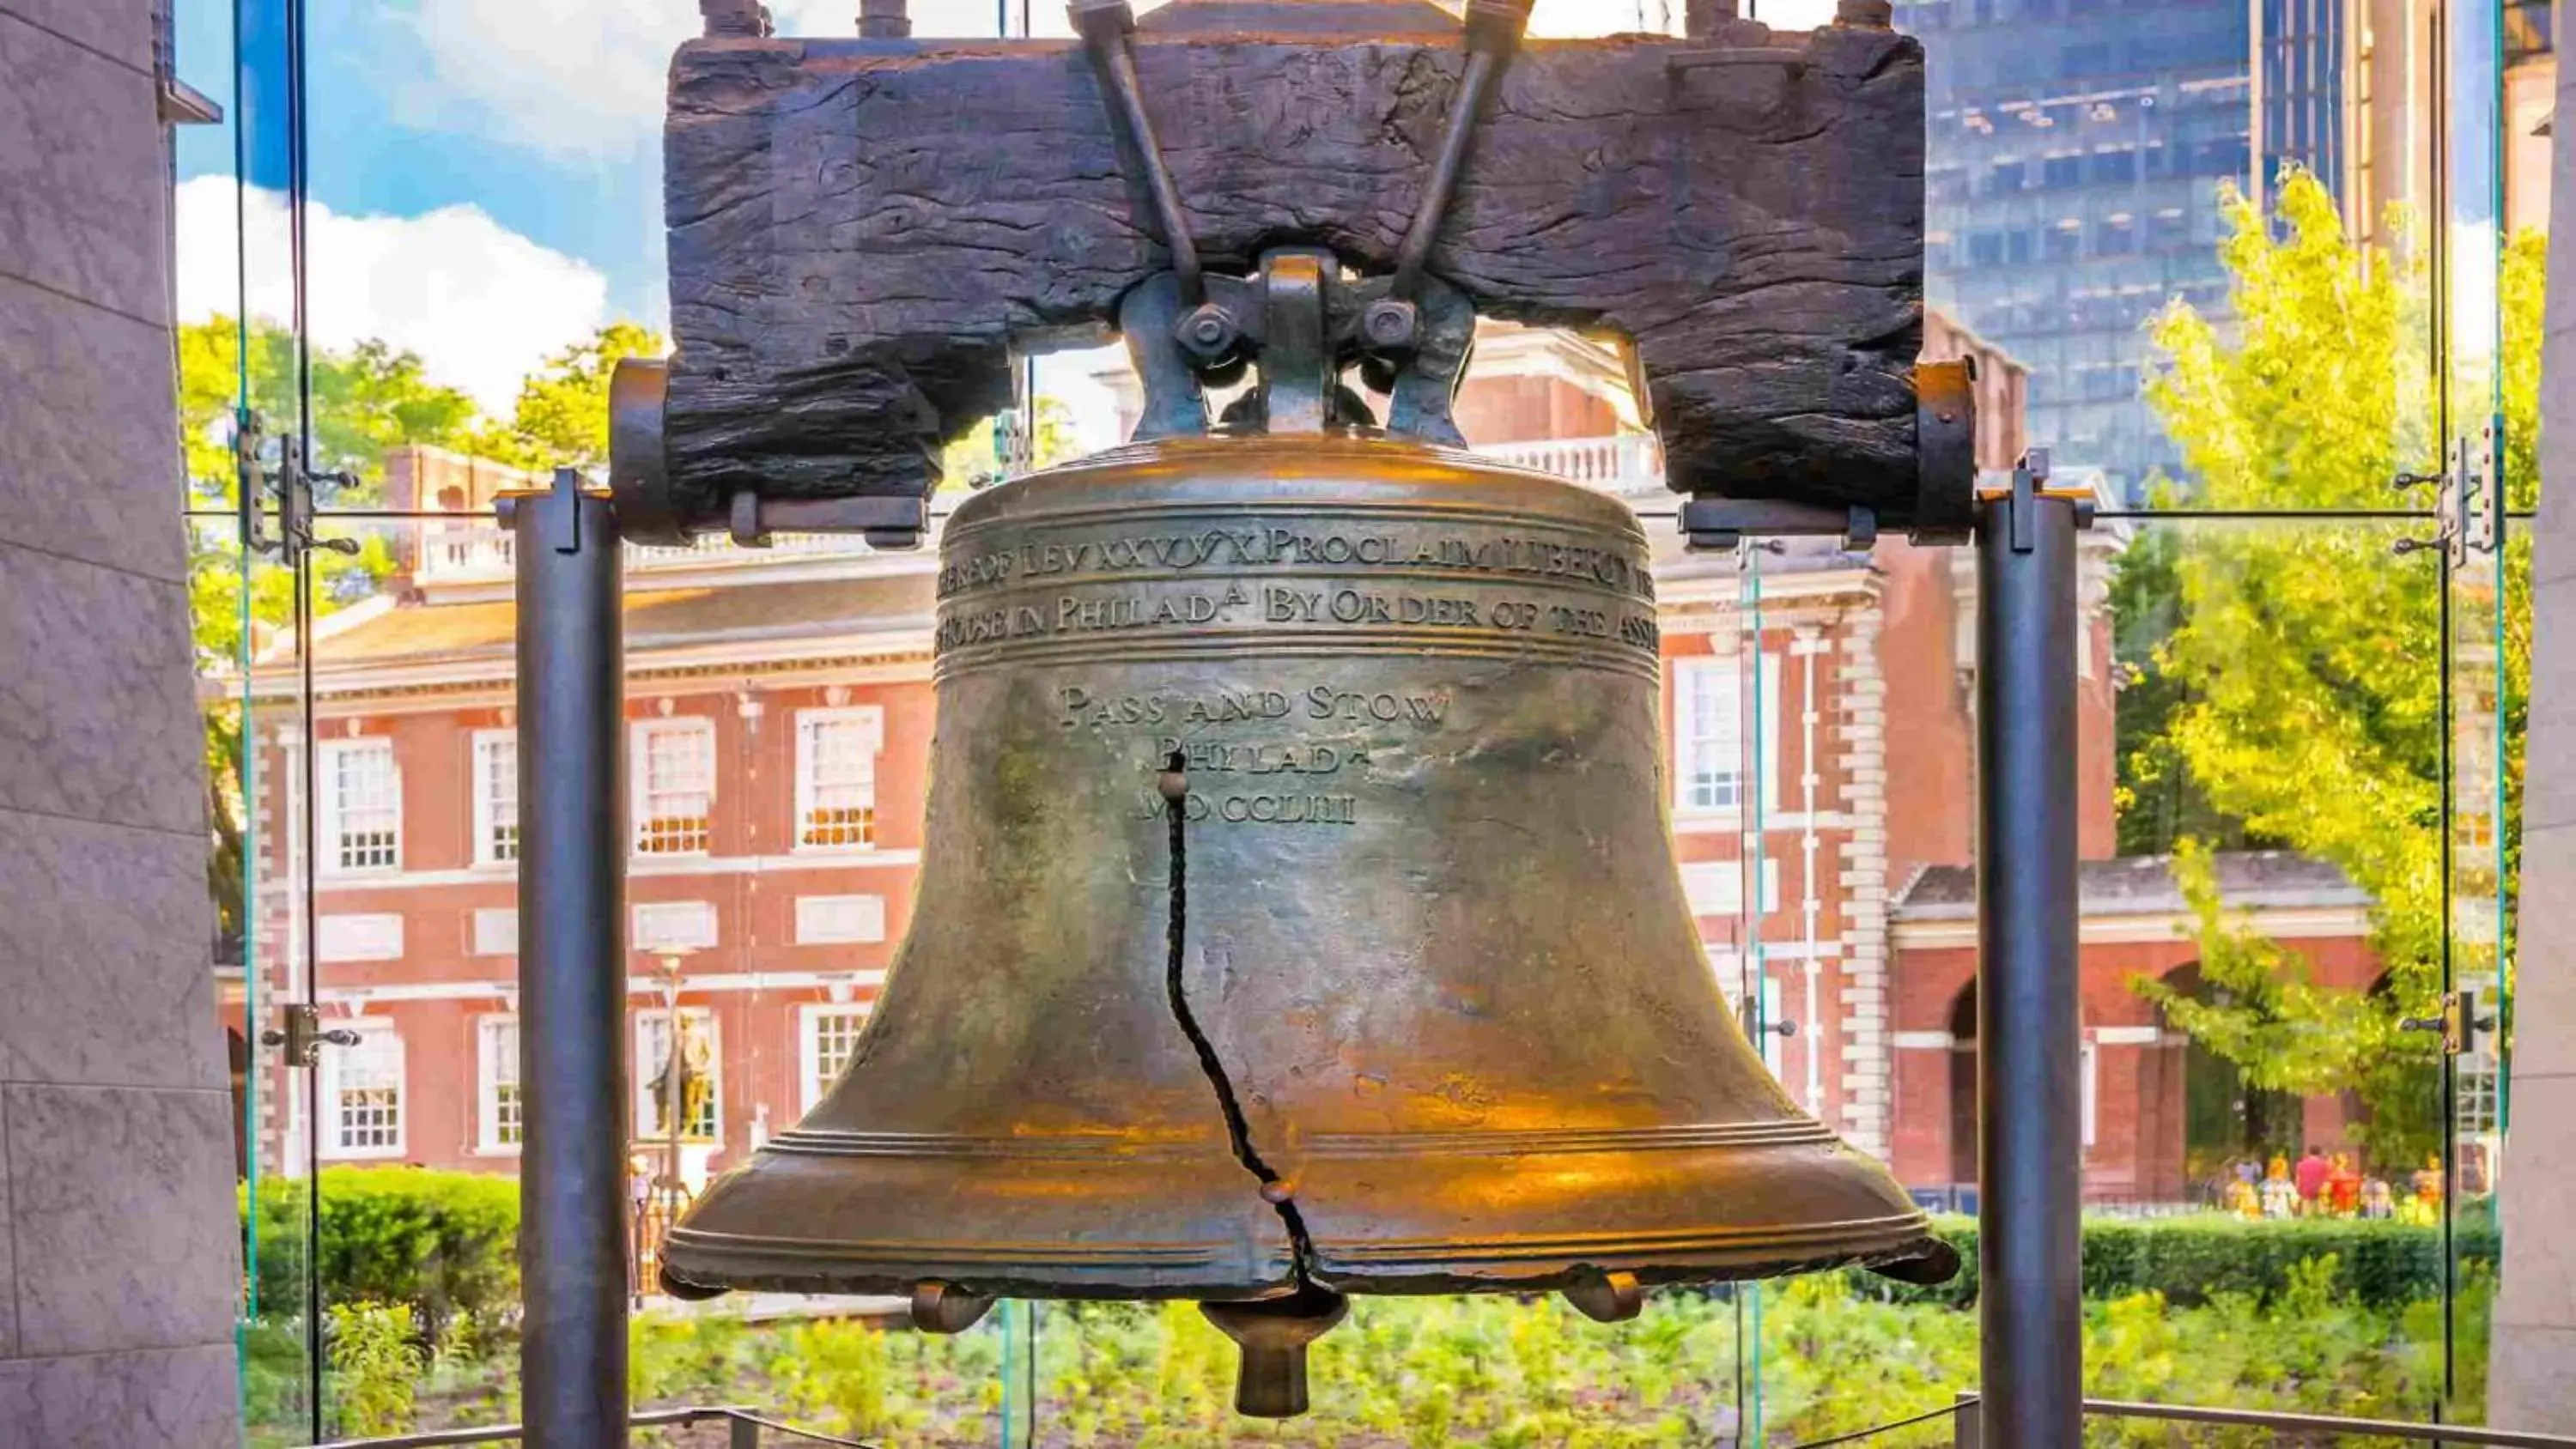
<point>2076,153</point>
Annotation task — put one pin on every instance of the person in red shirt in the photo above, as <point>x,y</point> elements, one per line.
<point>2311,1175</point>
<point>2343,1187</point>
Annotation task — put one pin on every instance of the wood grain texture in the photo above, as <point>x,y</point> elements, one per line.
<point>860,230</point>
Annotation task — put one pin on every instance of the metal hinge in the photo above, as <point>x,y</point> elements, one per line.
<point>2459,1024</point>
<point>290,484</point>
<point>302,1036</point>
<point>2469,511</point>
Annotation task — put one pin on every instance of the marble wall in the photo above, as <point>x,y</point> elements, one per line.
<point>2532,1375</point>
<point>119,1261</point>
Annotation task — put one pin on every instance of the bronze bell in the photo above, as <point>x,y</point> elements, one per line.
<point>1299,918</point>
<point>1299,915</point>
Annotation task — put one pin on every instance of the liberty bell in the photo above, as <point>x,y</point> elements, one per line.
<point>1299,916</point>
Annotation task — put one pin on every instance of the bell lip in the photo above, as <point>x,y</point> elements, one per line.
<point>1348,468</point>
<point>717,1263</point>
<point>1887,1261</point>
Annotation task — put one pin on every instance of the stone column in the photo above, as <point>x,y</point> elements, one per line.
<point>2531,1380</point>
<point>119,1254</point>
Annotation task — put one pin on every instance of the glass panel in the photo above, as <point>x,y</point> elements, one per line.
<point>2262,1118</point>
<point>2477,664</point>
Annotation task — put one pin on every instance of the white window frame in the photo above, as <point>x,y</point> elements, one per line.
<point>640,791</point>
<point>488,747</point>
<point>490,1077</point>
<point>870,720</point>
<point>358,936</point>
<point>666,926</point>
<point>816,924</point>
<point>814,1075</point>
<point>333,811</point>
<point>376,1035</point>
<point>648,1023</point>
<point>494,931</point>
<point>1732,872</point>
<point>1691,732</point>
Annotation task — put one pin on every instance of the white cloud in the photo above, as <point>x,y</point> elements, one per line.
<point>481,304</point>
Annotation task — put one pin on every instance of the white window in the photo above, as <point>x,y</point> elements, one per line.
<point>831,1035</point>
<point>675,926</point>
<point>1716,888</point>
<point>361,806</point>
<point>701,1082</point>
<point>362,1094</point>
<point>496,932</point>
<point>1710,760</point>
<point>360,938</point>
<point>500,1115</point>
<point>674,767</point>
<point>836,777</point>
<point>839,920</point>
<point>496,797</point>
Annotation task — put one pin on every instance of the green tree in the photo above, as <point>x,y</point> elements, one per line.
<point>2289,692</point>
<point>561,420</point>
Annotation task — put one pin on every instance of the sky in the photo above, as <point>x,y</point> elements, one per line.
<point>486,174</point>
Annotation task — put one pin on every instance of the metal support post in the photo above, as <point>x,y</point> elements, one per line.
<point>2029,1161</point>
<point>572,966</point>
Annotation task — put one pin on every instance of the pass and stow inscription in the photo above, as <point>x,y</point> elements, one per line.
<point>1302,764</point>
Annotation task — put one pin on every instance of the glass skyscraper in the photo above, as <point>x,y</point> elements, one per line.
<point>2075,158</point>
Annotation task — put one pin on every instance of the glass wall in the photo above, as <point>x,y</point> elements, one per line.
<point>423,235</point>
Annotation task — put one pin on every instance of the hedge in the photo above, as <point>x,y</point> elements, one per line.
<point>443,1242</point>
<point>2384,1264</point>
<point>447,1242</point>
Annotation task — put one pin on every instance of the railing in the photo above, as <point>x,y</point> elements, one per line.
<point>744,1430</point>
<point>1968,1437</point>
<point>1628,463</point>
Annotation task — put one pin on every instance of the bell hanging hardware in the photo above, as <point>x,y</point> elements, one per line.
<point>303,1037</point>
<point>2460,1024</point>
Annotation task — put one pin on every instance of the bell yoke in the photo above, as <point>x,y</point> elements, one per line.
<point>1299,915</point>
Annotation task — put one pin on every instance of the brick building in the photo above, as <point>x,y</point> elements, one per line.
<point>779,717</point>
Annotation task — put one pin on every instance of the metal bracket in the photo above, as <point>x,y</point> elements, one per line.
<point>1721,525</point>
<point>2469,511</point>
<point>2460,1024</point>
<point>301,1035</point>
<point>291,484</point>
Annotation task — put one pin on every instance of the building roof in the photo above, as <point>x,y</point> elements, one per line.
<point>2144,885</point>
<point>732,610</point>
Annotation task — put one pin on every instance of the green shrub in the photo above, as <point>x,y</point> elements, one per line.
<point>442,1242</point>
<point>376,1365</point>
<point>2190,1260</point>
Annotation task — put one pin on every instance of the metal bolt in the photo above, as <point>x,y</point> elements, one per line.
<point>1391,324</point>
<point>1209,333</point>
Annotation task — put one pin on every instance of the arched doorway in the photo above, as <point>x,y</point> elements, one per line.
<point>1963,1086</point>
<point>2225,1118</point>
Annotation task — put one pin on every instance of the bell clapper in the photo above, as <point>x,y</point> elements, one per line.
<point>945,1308</point>
<point>1273,1334</point>
<point>1610,1298</point>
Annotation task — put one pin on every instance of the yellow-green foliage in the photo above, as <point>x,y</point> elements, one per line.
<point>2299,688</point>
